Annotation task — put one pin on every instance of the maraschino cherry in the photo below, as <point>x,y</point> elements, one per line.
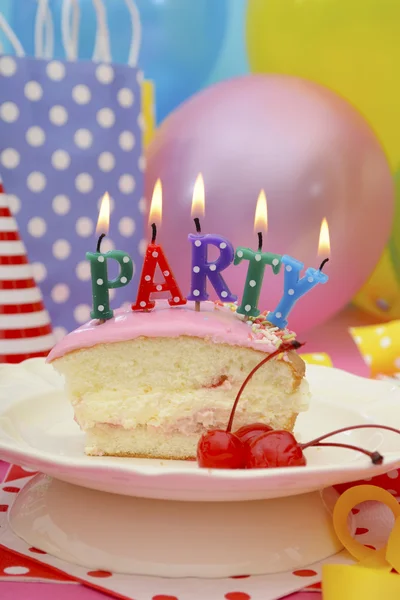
<point>219,449</point>
<point>222,449</point>
<point>281,449</point>
<point>247,433</point>
<point>274,449</point>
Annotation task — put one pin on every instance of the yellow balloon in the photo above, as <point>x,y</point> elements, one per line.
<point>353,48</point>
<point>381,295</point>
<point>350,46</point>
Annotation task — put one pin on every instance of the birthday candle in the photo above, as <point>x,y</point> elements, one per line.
<point>258,260</point>
<point>98,267</point>
<point>155,256</point>
<point>295,286</point>
<point>201,267</point>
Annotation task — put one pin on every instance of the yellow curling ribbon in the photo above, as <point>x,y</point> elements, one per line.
<point>317,358</point>
<point>370,579</point>
<point>346,582</point>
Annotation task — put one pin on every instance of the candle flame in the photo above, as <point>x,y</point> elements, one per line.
<point>261,214</point>
<point>324,245</point>
<point>155,214</point>
<point>198,199</point>
<point>103,222</point>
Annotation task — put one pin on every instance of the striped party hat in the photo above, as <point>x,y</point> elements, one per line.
<point>25,327</point>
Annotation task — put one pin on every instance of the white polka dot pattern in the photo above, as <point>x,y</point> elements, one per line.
<point>36,181</point>
<point>33,91</point>
<point>37,227</point>
<point>81,94</point>
<point>83,270</point>
<point>61,204</point>
<point>8,66</point>
<point>10,158</point>
<point>14,203</point>
<point>84,226</point>
<point>105,117</point>
<point>126,184</point>
<point>60,293</point>
<point>39,272</point>
<point>126,140</point>
<point>106,162</point>
<point>35,136</point>
<point>68,133</point>
<point>105,74</point>
<point>126,226</point>
<point>60,160</point>
<point>125,97</point>
<point>61,249</point>
<point>55,70</point>
<point>58,115</point>
<point>83,138</point>
<point>9,112</point>
<point>84,183</point>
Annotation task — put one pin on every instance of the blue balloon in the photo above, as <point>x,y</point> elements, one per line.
<point>181,43</point>
<point>232,60</point>
<point>181,40</point>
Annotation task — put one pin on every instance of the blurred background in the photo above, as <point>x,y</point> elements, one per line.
<point>299,98</point>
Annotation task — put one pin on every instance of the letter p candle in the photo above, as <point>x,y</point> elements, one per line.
<point>98,268</point>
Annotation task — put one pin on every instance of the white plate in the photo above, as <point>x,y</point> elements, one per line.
<point>37,430</point>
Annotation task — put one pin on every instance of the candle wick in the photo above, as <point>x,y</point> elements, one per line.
<point>154,233</point>
<point>260,241</point>
<point>197,223</point>
<point>323,263</point>
<point>103,235</point>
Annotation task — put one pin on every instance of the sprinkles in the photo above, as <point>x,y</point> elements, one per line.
<point>261,330</point>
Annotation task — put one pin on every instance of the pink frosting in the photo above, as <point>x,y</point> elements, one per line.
<point>216,323</point>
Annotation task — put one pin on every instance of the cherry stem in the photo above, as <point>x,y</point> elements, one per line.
<point>376,458</point>
<point>350,428</point>
<point>285,347</point>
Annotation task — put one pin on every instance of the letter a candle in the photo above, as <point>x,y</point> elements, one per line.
<point>155,256</point>
<point>98,267</point>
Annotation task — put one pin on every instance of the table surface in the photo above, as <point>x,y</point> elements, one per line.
<point>332,338</point>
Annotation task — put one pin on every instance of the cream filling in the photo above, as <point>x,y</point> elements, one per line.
<point>188,413</point>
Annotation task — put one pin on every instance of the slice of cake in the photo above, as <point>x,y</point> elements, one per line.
<point>148,384</point>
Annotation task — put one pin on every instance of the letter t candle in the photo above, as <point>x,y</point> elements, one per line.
<point>258,260</point>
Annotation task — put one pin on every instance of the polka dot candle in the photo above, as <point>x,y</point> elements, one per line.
<point>201,267</point>
<point>294,288</point>
<point>258,260</point>
<point>155,257</point>
<point>255,274</point>
<point>99,272</point>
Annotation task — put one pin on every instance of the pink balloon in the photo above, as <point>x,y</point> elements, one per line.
<point>313,154</point>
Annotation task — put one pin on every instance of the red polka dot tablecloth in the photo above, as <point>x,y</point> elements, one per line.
<point>20,562</point>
